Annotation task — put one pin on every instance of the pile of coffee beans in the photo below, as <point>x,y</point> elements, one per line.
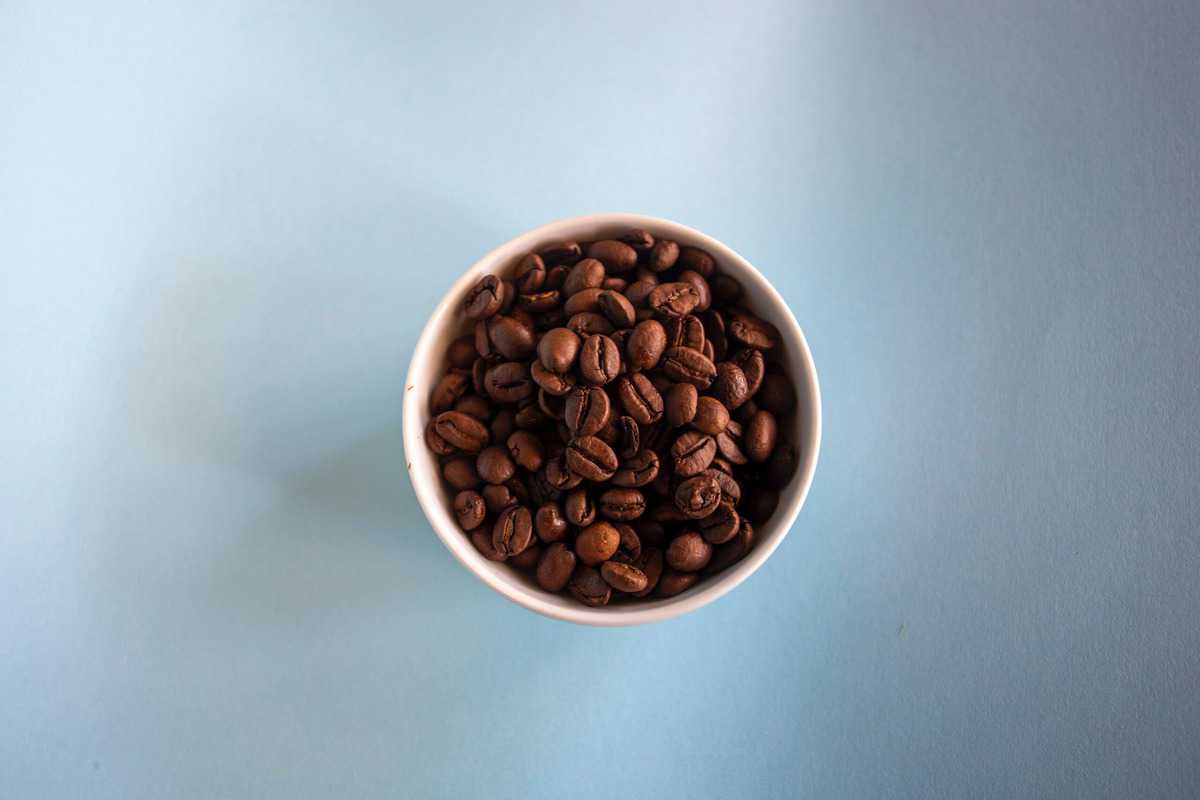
<point>617,421</point>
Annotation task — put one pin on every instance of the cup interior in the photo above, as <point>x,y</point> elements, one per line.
<point>428,364</point>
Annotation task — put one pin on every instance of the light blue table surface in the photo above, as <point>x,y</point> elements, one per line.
<point>222,227</point>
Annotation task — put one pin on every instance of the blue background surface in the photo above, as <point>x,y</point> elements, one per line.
<point>222,227</point>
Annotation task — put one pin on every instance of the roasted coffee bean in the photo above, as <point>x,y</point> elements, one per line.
<point>482,539</point>
<point>752,331</point>
<point>579,508</point>
<point>672,582</point>
<point>479,374</point>
<point>549,320</point>
<point>782,465</point>
<point>513,531</point>
<point>698,497</point>
<point>540,490</point>
<point>689,366</point>
<point>685,331</point>
<point>586,274</point>
<point>552,406</point>
<point>508,382</point>
<point>721,525</point>
<point>591,459</point>
<point>597,543</point>
<point>656,437</point>
<point>611,432</point>
<point>557,384</point>
<point>622,504</point>
<point>469,509</point>
<point>556,276</point>
<point>639,398</point>
<point>623,577</point>
<point>461,354</point>
<point>731,490</point>
<point>510,337</point>
<point>759,437</point>
<point>498,497</point>
<point>462,431</point>
<point>449,389</point>
<point>688,552</point>
<point>550,522</point>
<point>616,256</point>
<point>732,551</point>
<point>692,452</point>
<point>638,291</point>
<point>730,385</point>
<point>708,351</point>
<point>776,395</point>
<point>727,445</point>
<point>745,411</point>
<point>630,549</point>
<point>587,410</point>
<point>583,300</point>
<point>530,274</point>
<point>760,504</point>
<point>435,442</point>
<point>703,291</point>
<point>559,475</point>
<point>640,240</point>
<point>587,323</point>
<point>494,464</point>
<point>503,424</point>
<point>483,343</point>
<point>539,302</point>
<point>681,404</point>
<point>694,258</point>
<point>651,564</point>
<point>485,298</point>
<point>565,252</point>
<point>519,489</point>
<point>555,567</point>
<point>617,308</point>
<point>599,360</point>
<point>646,345</point>
<point>615,284</point>
<point>726,290</point>
<point>650,532</point>
<point>588,587</point>
<point>557,350</point>
<point>639,470</point>
<point>476,406</point>
<point>528,558</point>
<point>663,255</point>
<point>628,440</point>
<point>673,299</point>
<point>752,366</point>
<point>711,416</point>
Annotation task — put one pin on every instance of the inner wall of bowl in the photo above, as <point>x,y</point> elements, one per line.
<point>448,323</point>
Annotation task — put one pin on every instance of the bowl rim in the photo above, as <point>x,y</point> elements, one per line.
<point>515,588</point>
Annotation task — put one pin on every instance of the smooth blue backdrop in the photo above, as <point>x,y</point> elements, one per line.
<point>222,226</point>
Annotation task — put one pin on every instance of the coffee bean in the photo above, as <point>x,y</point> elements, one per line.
<point>617,308</point>
<point>639,470</point>
<point>646,345</point>
<point>728,446</point>
<point>462,431</point>
<point>698,497</point>
<point>482,539</point>
<point>449,389</point>
<point>640,240</point>
<point>776,395</point>
<point>587,274</point>
<point>751,331</point>
<point>550,522</point>
<point>479,373</point>
<point>656,436</point>
<point>782,465</point>
<point>508,382</point>
<point>530,273</point>
<point>615,284</point>
<point>639,398</point>
<point>701,286</point>
<point>726,290</point>
<point>583,300</point>
<point>498,497</point>
<point>528,558</point>
<point>760,436</point>
<point>558,349</point>
<point>475,406</point>
<point>559,475</point>
<point>761,503</point>
<point>587,410</point>
<point>730,385</point>
<point>732,551</point>
<point>700,261</point>
<point>579,508</point>
<point>673,299</point>
<point>494,465</point>
<point>689,366</point>
<point>721,525</point>
<point>663,255</point>
<point>511,339</point>
<point>503,425</point>
<point>565,252</point>
<point>650,532</point>
<point>730,489</point>
<point>681,404</point>
<point>588,587</point>
<point>711,416</point>
<point>630,548</point>
<point>638,291</point>
<point>540,302</point>
<point>599,360</point>
<point>672,583</point>
<point>692,452</point>
<point>628,440</point>
<point>751,364</point>
<point>623,577</point>
<point>469,509</point>
<point>485,298</point>
<point>513,531</point>
<point>554,383</point>
<point>688,552</point>
<point>461,354</point>
<point>686,331</point>
<point>591,459</point>
<point>622,504</point>
<point>552,406</point>
<point>616,256</point>
<point>586,323</point>
<point>597,543</point>
<point>435,442</point>
<point>555,567</point>
<point>651,564</point>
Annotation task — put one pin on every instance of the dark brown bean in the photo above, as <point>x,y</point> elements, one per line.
<point>485,298</point>
<point>672,583</point>
<point>559,475</point>
<point>482,539</point>
<point>639,470</point>
<point>651,564</point>
<point>503,425</point>
<point>551,382</point>
<point>630,549</point>
<point>759,437</point>
<point>558,349</point>
<point>776,395</point>
<point>689,366</point>
<point>663,255</point>
<point>623,577</point>
<point>583,300</point>
<point>498,497</point>
<point>551,406</point>
<point>622,504</point>
<point>646,345</point>
<point>692,452</point>
<point>731,490</point>
<point>673,299</point>
<point>688,552</point>
<point>614,283</point>
<point>494,464</point>
<point>461,354</point>
<point>550,522</point>
<point>599,360</point>
<point>651,533</point>
<point>591,459</point>
<point>513,531</point>
<point>721,525</point>
<point>579,508</point>
<point>698,497</point>
<point>508,382</point>
<point>751,363</point>
<point>435,442</point>
<point>586,274</point>
<point>586,323</point>
<point>588,587</point>
<point>564,252</point>
<point>701,285</point>
<point>730,385</point>
<point>733,551</point>
<point>686,331</point>
<point>530,273</point>
<point>639,398</point>
<point>476,406</point>
<point>540,302</point>
<point>640,240</point>
<point>462,431</point>
<point>449,389</point>
<point>726,290</point>
<point>751,331</point>
<point>512,339</point>
<point>597,543</point>
<point>782,465</point>
<point>694,258</point>
<point>760,504</point>
<point>711,416</point>
<point>617,308</point>
<point>681,404</point>
<point>587,410</point>
<point>638,291</point>
<point>727,445</point>
<point>469,509</point>
<point>555,567</point>
<point>616,256</point>
<point>629,438</point>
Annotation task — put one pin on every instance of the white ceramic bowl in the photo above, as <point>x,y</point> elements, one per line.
<point>448,322</point>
